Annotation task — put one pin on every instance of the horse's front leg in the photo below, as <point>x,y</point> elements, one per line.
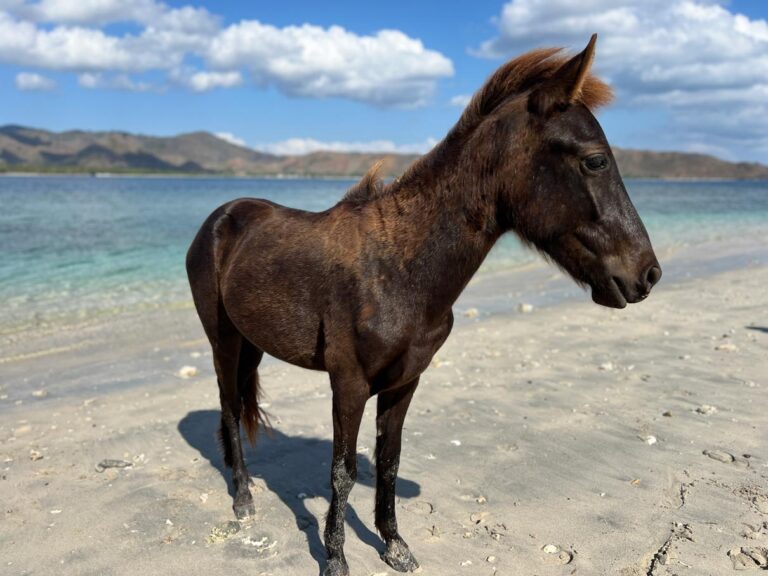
<point>349,397</point>
<point>391,409</point>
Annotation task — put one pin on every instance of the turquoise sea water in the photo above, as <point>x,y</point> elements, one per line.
<point>78,247</point>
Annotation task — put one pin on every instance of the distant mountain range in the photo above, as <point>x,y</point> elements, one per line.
<point>25,149</point>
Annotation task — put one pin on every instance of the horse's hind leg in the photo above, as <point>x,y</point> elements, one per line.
<point>391,409</point>
<point>236,360</point>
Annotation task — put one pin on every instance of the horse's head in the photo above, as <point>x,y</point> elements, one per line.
<point>560,188</point>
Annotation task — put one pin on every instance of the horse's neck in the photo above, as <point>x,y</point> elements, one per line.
<point>443,232</point>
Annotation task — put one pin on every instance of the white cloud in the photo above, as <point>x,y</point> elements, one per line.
<point>652,46</point>
<point>89,80</point>
<point>114,82</point>
<point>388,68</point>
<point>231,138</point>
<point>125,82</point>
<point>90,11</point>
<point>301,146</point>
<point>76,48</point>
<point>704,63</point>
<point>461,100</point>
<point>100,12</point>
<point>32,81</point>
<point>204,81</point>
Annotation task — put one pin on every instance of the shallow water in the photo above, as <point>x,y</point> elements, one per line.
<point>74,248</point>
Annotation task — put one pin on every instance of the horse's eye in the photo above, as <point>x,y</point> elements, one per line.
<point>596,162</point>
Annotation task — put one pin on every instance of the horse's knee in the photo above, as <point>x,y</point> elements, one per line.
<point>343,476</point>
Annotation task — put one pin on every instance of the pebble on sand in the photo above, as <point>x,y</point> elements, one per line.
<point>187,371</point>
<point>650,439</point>
<point>727,347</point>
<point>720,456</point>
<point>606,366</point>
<point>40,393</point>
<point>110,463</point>
<point>706,409</point>
<point>524,308</point>
<point>472,313</point>
<point>555,555</point>
<point>478,517</point>
<point>35,455</point>
<point>438,362</point>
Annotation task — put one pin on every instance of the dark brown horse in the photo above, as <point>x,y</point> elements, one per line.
<point>364,290</point>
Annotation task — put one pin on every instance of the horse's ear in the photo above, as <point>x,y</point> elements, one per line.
<point>565,85</point>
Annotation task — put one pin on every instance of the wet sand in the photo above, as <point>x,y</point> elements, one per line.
<point>570,439</point>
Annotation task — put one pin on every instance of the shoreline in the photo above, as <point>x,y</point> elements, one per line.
<point>182,175</point>
<point>497,286</point>
<point>289,176</point>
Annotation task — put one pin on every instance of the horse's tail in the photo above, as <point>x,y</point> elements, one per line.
<point>250,391</point>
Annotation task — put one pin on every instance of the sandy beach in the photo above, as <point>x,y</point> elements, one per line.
<point>570,439</point>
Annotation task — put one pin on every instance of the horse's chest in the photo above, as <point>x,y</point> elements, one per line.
<point>399,354</point>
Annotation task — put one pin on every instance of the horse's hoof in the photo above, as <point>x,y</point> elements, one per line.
<point>400,557</point>
<point>336,567</point>
<point>244,509</point>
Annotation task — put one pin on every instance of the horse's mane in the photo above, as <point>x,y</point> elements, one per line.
<point>518,76</point>
<point>370,186</point>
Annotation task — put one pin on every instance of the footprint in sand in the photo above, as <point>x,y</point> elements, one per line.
<point>756,497</point>
<point>240,541</point>
<point>223,531</point>
<point>420,507</point>
<point>749,558</point>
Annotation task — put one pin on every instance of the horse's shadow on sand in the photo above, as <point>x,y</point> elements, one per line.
<point>293,467</point>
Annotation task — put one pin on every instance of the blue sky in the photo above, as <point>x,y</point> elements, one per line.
<point>295,76</point>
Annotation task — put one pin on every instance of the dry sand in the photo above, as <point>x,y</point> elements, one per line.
<point>567,440</point>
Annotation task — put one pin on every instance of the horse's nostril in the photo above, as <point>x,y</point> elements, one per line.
<point>652,276</point>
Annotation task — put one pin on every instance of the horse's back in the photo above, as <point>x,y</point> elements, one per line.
<point>230,224</point>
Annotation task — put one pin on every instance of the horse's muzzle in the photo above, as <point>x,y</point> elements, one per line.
<point>639,290</point>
